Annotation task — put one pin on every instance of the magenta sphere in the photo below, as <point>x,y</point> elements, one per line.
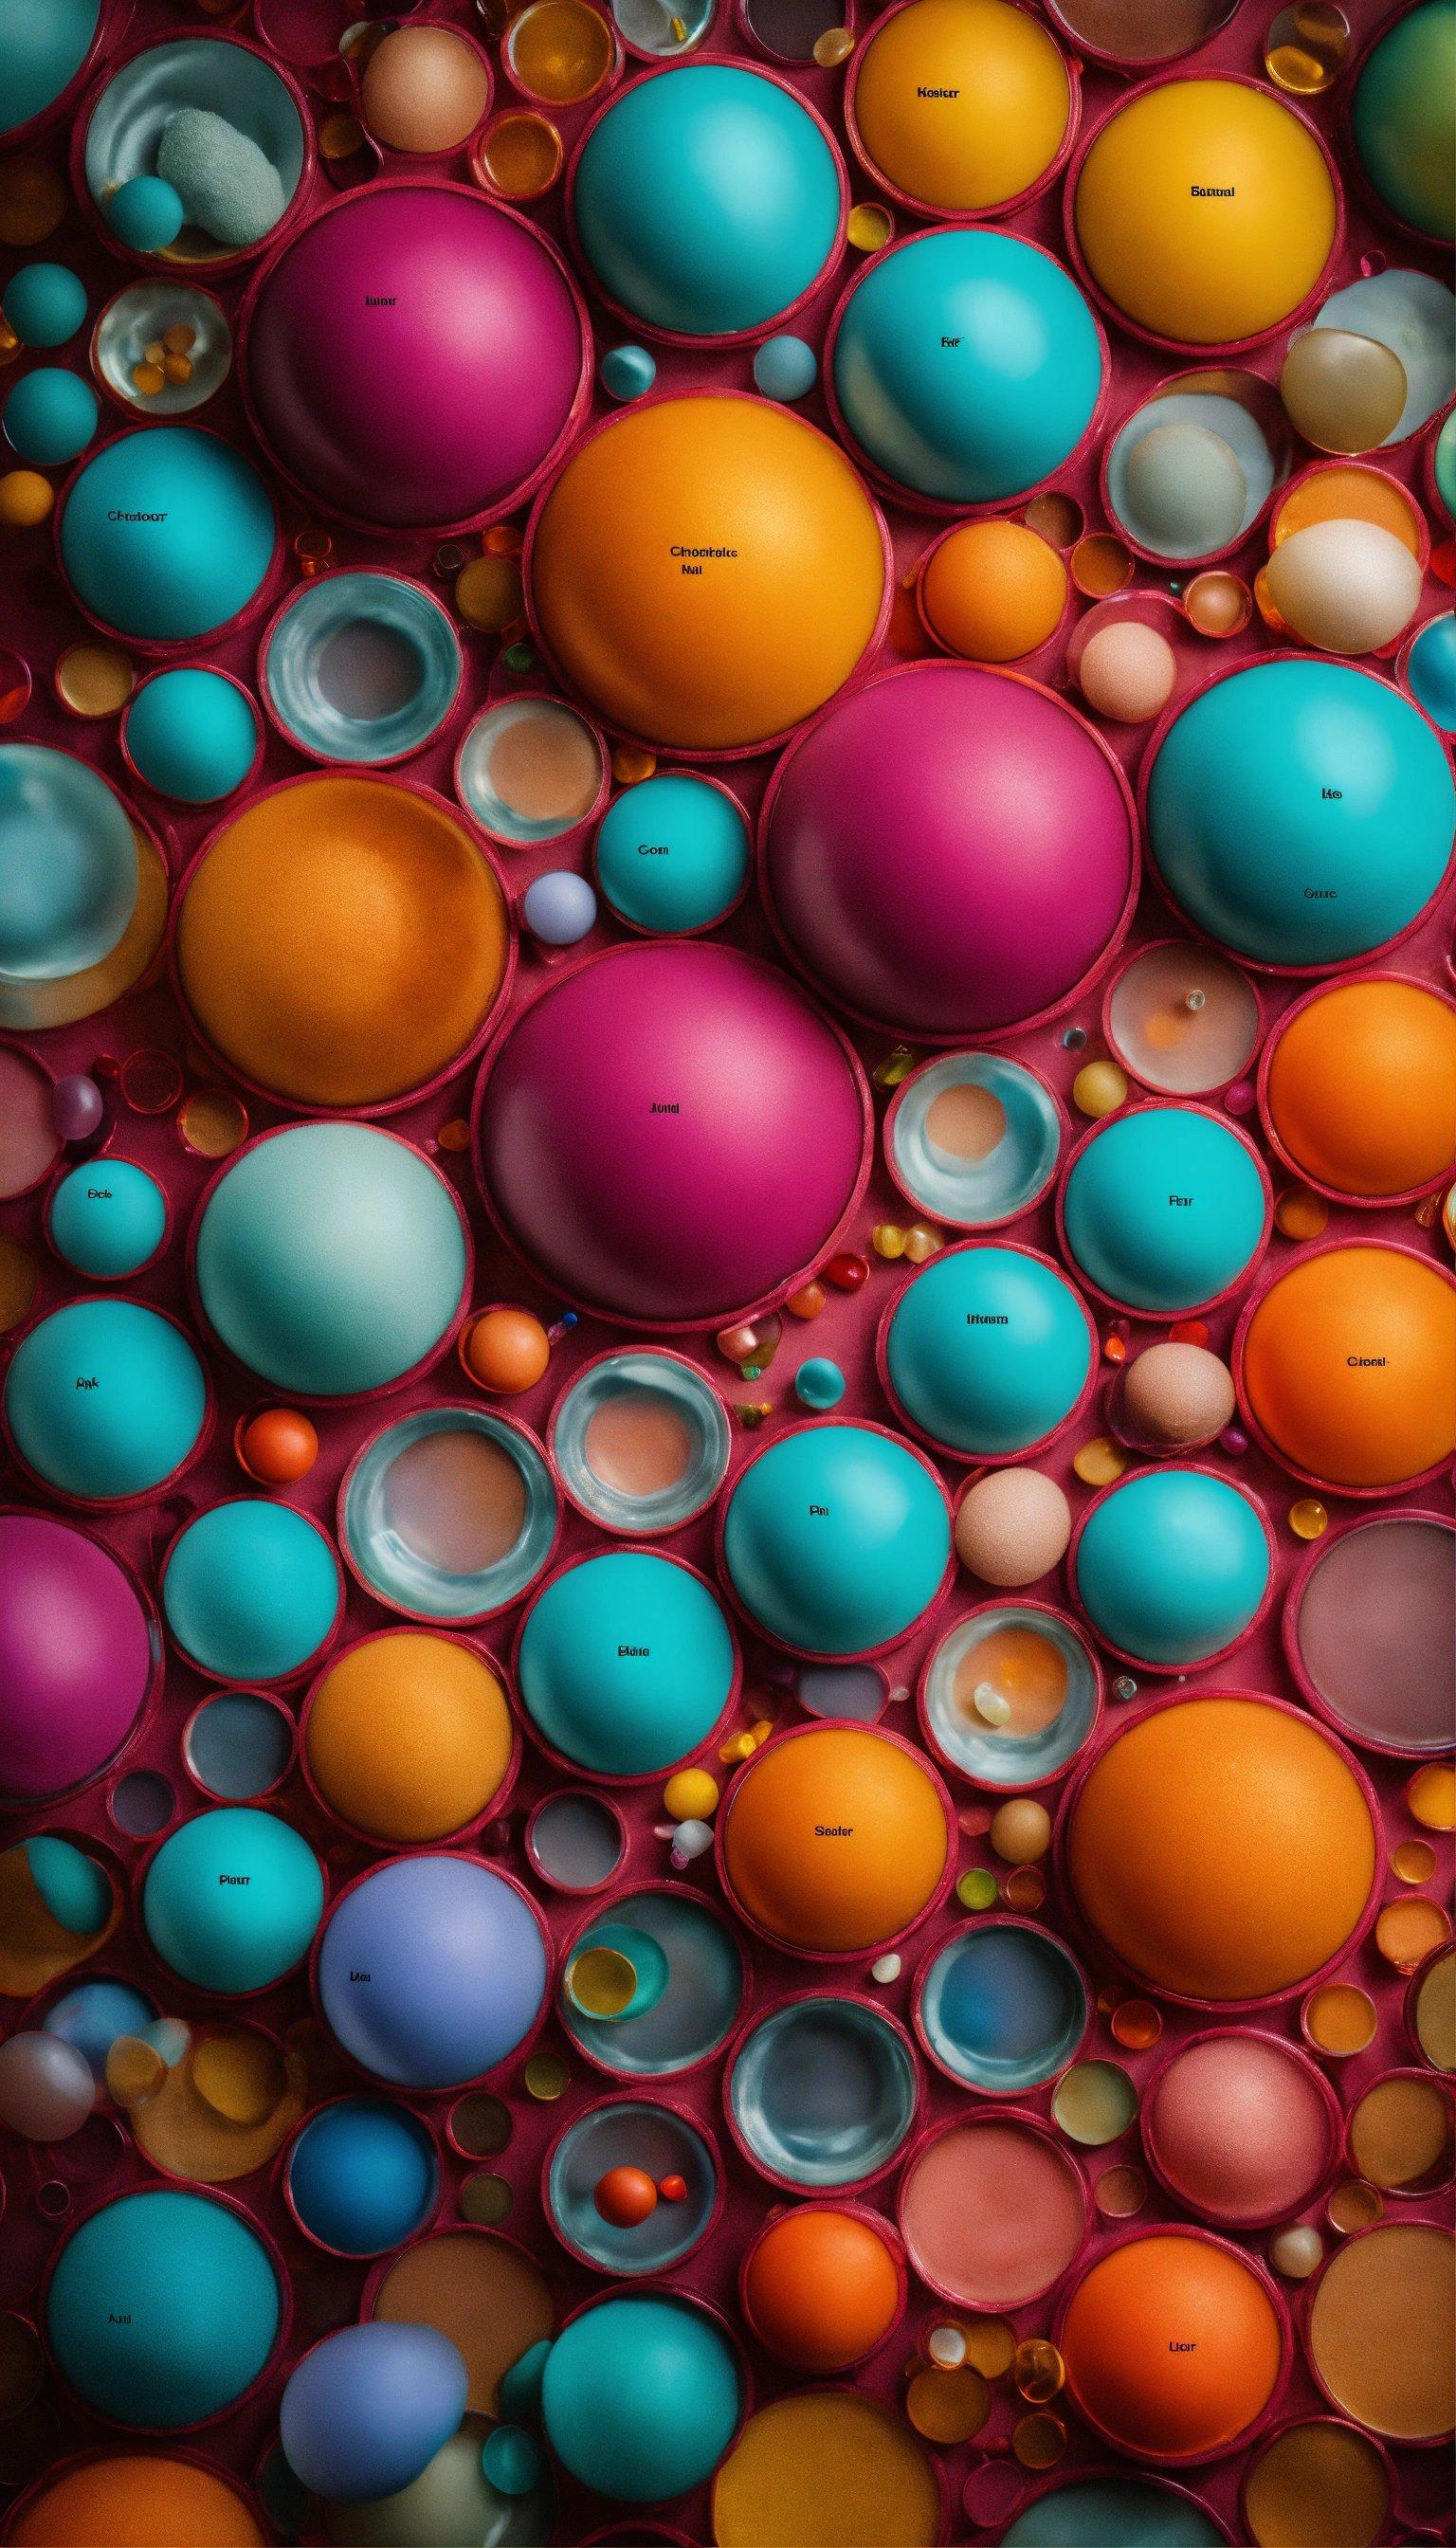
<point>412,358</point>
<point>671,1135</point>
<point>76,1654</point>
<point>948,852</point>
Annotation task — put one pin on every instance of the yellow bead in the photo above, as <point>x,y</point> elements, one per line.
<point>834,46</point>
<point>25,499</point>
<point>895,1067</point>
<point>1308,1520</point>
<point>887,1240</point>
<point>177,368</point>
<point>488,593</point>
<point>632,763</point>
<point>179,339</point>
<point>1099,1088</point>
<point>1301,1215</point>
<point>921,1243</point>
<point>691,1796</point>
<point>1099,1462</point>
<point>149,378</point>
<point>869,227</point>
<point>153,352</point>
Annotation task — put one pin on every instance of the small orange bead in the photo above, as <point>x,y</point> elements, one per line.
<point>625,2197</point>
<point>278,1446</point>
<point>505,1350</point>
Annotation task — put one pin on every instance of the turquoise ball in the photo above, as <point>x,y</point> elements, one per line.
<point>785,368</point>
<point>68,867</point>
<point>105,1399</point>
<point>672,855</point>
<point>330,1259</point>
<point>819,1383</point>
<point>162,2309</point>
<point>71,1885</point>
<point>640,2397</point>
<point>167,534</point>
<point>837,1539</point>
<point>44,304</point>
<point>1301,813</point>
<point>251,1591</point>
<point>49,416</point>
<point>146,213</point>
<point>1164,1210</point>
<point>191,735</point>
<point>43,45</point>
<point>1173,1566</point>
<point>988,1350</point>
<point>626,1664</point>
<point>966,366</point>
<point>232,1900</point>
<point>1431,671</point>
<point>107,1217</point>
<point>707,200</point>
<point>627,372</point>
<point>1403,120</point>
<point>363,2176</point>
<point>1112,2512</point>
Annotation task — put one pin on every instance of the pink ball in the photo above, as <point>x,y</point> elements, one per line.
<point>948,852</point>
<point>76,1654</point>
<point>412,356</point>
<point>671,1135</point>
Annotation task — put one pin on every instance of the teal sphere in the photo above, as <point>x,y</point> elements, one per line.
<point>43,45</point>
<point>162,2309</point>
<point>966,366</point>
<point>71,1885</point>
<point>105,1399</point>
<point>1431,669</point>
<point>167,534</point>
<point>626,1664</point>
<point>706,201</point>
<point>50,417</point>
<point>988,1350</point>
<point>1403,120</point>
<point>1300,813</point>
<point>107,1219</point>
<point>68,872</point>
<point>836,1540</point>
<point>146,213</point>
<point>672,855</point>
<point>627,372</point>
<point>1164,1210</point>
<point>1107,2511</point>
<point>191,735</point>
<point>785,368</point>
<point>44,304</point>
<point>640,2397</point>
<point>363,2176</point>
<point>232,1900</point>
<point>1171,1566</point>
<point>251,1591</point>
<point>331,1259</point>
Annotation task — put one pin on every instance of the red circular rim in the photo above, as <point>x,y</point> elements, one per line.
<point>830,1955</point>
<point>1307,1000</point>
<point>1294,1262</point>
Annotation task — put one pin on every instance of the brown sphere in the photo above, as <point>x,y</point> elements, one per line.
<point>1012,1526</point>
<point>424,90</point>
<point>1176,1398</point>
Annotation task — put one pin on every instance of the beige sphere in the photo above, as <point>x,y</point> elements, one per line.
<point>1127,671</point>
<point>1344,586</point>
<point>1021,1831</point>
<point>1012,1526</point>
<point>424,90</point>
<point>1179,1397</point>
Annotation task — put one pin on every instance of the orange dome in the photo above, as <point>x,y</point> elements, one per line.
<point>1172,2346</point>
<point>707,570</point>
<point>821,2289</point>
<point>138,2500</point>
<point>835,1839</point>
<point>408,1736</point>
<point>1361,1093</point>
<point>1348,1366</point>
<point>993,591</point>
<point>1221,1849</point>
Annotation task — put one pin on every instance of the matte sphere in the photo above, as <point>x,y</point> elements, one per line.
<point>192,735</point>
<point>1361,1092</point>
<point>1239,2129</point>
<point>44,304</point>
<point>962,105</point>
<point>672,855</point>
<point>836,1539</point>
<point>77,1650</point>
<point>167,534</point>
<point>1013,1526</point>
<point>232,1900</point>
<point>363,2176</point>
<point>1123,2337</point>
<point>431,1971</point>
<point>105,1399</point>
<point>251,1591</point>
<point>67,865</point>
<point>47,2090</point>
<point>1348,1365</point>
<point>821,2289</point>
<point>1342,391</point>
<point>948,852</point>
<point>330,1259</point>
<point>987,1352</point>
<point>139,2500</point>
<point>1400,118</point>
<point>201,2313</point>
<point>626,1663</point>
<point>835,1839</point>
<point>107,1219</point>
<point>1172,1566</point>
<point>1164,1209</point>
<point>367,2409</point>
<point>42,50</point>
<point>408,1737</point>
<point>993,591</point>
<point>1176,1398</point>
<point>671,1135</point>
<point>49,416</point>
<point>425,89</point>
<point>640,2397</point>
<point>1186,493</point>
<point>440,407</point>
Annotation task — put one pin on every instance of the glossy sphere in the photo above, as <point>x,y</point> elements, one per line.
<point>67,865</point>
<point>42,50</point>
<point>366,2410</point>
<point>1349,1367</point>
<point>1221,1849</point>
<point>46,2087</point>
<point>1172,1566</point>
<point>744,650</point>
<point>862,1583</point>
<point>1361,1093</point>
<point>107,1219</point>
<point>443,406</point>
<point>105,1399</point>
<point>948,851</point>
<point>672,855</point>
<point>707,200</point>
<point>878,1868</point>
<point>232,1900</point>
<point>49,416</point>
<point>330,1258</point>
<point>1400,118</point>
<point>993,591</point>
<point>962,105</point>
<point>408,1736</point>
<point>988,1350</point>
<point>507,1351</point>
<point>76,1656</point>
<point>670,1217</point>
<point>44,304</point>
<point>1127,671</point>
<point>820,2289</point>
<point>139,2500</point>
<point>1342,391</point>
<point>456,1969</point>
<point>279,1446</point>
<point>640,2397</point>
<point>1182,267</point>
<point>201,2316</point>
<point>626,1662</point>
<point>1164,1209</point>
<point>191,735</point>
<point>167,534</point>
<point>250,1592</point>
<point>1345,586</point>
<point>1292,771</point>
<point>1009,401</point>
<point>363,2176</point>
<point>1123,2337</point>
<point>625,2196</point>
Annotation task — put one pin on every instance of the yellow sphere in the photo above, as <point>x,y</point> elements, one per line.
<point>691,1796</point>
<point>962,105</point>
<point>1205,212</point>
<point>993,591</point>
<point>25,499</point>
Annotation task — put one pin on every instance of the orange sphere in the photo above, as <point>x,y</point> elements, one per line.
<point>1221,1849</point>
<point>992,592</point>
<point>408,1736</point>
<point>1361,1092</point>
<point>707,570</point>
<point>138,2500</point>
<point>1172,2346</point>
<point>625,2197</point>
<point>835,1839</point>
<point>507,1352</point>
<point>278,1446</point>
<point>1349,1367</point>
<point>821,2289</point>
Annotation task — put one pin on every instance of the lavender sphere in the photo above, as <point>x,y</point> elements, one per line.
<point>431,1971</point>
<point>948,851</point>
<point>411,357</point>
<point>671,1135</point>
<point>76,1656</point>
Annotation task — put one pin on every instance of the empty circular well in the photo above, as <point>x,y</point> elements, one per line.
<point>362,667</point>
<point>822,2092</point>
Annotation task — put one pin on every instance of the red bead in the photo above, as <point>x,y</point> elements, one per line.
<point>672,2189</point>
<point>625,2196</point>
<point>847,1273</point>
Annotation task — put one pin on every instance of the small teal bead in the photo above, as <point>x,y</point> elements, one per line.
<point>44,304</point>
<point>71,1885</point>
<point>672,855</point>
<point>511,2460</point>
<point>50,417</point>
<point>819,1383</point>
<point>107,1217</point>
<point>146,213</point>
<point>628,371</point>
<point>785,368</point>
<point>191,735</point>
